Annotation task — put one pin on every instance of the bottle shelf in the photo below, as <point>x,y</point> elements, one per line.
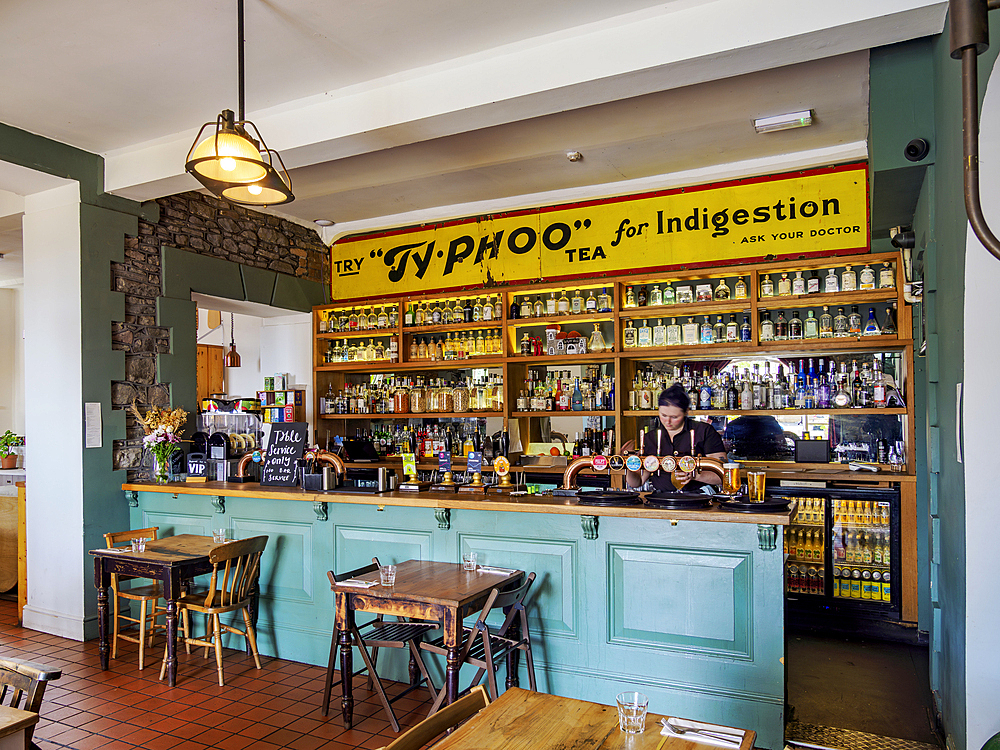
<point>544,319</point>
<point>770,412</point>
<point>421,415</point>
<point>452,364</point>
<point>821,347</point>
<point>565,359</point>
<point>368,333</point>
<point>689,351</point>
<point>382,365</point>
<point>449,327</point>
<point>705,307</point>
<point>831,299</point>
<point>567,413</point>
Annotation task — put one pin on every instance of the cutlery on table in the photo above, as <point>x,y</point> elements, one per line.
<point>716,734</point>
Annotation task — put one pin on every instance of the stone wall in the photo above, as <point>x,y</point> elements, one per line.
<point>209,226</point>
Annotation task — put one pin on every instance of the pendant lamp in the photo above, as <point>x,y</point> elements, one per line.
<point>230,158</point>
<point>232,356</point>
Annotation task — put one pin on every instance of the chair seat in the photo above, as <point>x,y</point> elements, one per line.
<point>393,634</point>
<point>152,591</point>
<point>477,651</point>
<point>195,600</point>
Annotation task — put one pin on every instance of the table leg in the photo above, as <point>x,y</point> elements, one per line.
<point>254,609</point>
<point>347,679</point>
<point>171,642</point>
<point>102,624</point>
<point>451,675</point>
<point>513,680</point>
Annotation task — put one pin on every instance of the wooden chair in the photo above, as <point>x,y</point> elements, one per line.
<point>22,685</point>
<point>148,597</point>
<point>438,723</point>
<point>484,648</point>
<point>235,567</point>
<point>374,635</point>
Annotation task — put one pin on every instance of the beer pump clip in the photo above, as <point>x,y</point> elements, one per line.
<point>501,465</point>
<point>475,465</point>
<point>413,482</point>
<point>447,483</point>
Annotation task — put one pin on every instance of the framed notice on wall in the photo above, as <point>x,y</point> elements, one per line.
<point>285,446</point>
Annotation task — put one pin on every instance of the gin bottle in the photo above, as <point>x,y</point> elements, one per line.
<point>848,280</point>
<point>539,307</point>
<point>630,298</point>
<point>886,278</point>
<point>745,332</point>
<point>784,286</point>
<point>798,284</point>
<point>722,291</point>
<point>669,296</point>
<point>550,304</point>
<point>477,311</point>
<point>628,335</point>
<point>795,326</point>
<point>604,301</point>
<point>659,333</point>
<point>810,326</point>
<point>732,329</point>
<point>871,327</point>
<point>889,324</point>
<point>591,303</point>
<point>766,327</point>
<point>383,318</point>
<point>719,329</point>
<point>576,304</point>
<point>840,324</point>
<point>831,283</point>
<point>562,305</point>
<point>740,291</point>
<point>655,296</point>
<point>707,333</point>
<point>781,327</point>
<point>766,287</point>
<point>526,308</point>
<point>689,332</point>
<point>673,333</point>
<point>645,334</point>
<point>372,321</point>
<point>812,285</point>
<point>854,321</point>
<point>867,277</point>
<point>826,324</point>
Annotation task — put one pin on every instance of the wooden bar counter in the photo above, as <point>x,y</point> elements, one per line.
<point>685,606</point>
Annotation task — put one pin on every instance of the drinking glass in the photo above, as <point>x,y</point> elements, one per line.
<point>387,575</point>
<point>218,535</point>
<point>632,712</point>
<point>469,561</point>
<point>138,545</point>
<point>730,479</point>
<point>755,485</point>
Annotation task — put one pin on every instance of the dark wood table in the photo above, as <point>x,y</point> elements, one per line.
<point>424,591</point>
<point>523,720</point>
<point>171,561</point>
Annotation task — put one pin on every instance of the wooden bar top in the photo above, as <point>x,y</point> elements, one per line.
<point>509,503</point>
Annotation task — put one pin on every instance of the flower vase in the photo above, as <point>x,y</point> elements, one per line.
<point>161,469</point>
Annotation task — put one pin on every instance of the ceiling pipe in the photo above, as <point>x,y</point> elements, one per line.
<point>969,39</point>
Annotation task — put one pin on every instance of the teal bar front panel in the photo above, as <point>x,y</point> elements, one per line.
<point>689,613</point>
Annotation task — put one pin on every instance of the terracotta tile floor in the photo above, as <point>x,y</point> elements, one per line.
<point>276,707</point>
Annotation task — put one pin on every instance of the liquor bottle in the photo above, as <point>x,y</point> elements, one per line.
<point>466,314</point>
<point>604,301</point>
<point>826,324</point>
<point>740,291</point>
<point>552,304</point>
<point>766,287</point>
<point>525,346</point>
<point>498,309</point>
<point>798,284</point>
<point>596,344</point>
<point>745,329</point>
<point>889,322</point>
<point>655,296</point>
<point>840,324</point>
<point>659,333</point>
<point>719,329</point>
<point>781,327</point>
<point>784,286</point>
<point>372,319</point>
<point>831,283</point>
<point>487,310</point>
<point>645,335</point>
<point>886,278</point>
<point>591,303</point>
<point>795,326</point>
<point>810,327</point>
<point>867,277</point>
<point>732,329</point>
<point>414,355</point>
<point>629,335</point>
<point>854,322</point>
<point>577,397</point>
<point>324,322</point>
<point>562,304</point>
<point>576,304</point>
<point>673,333</point>
<point>669,295</point>
<point>722,290</point>
<point>538,309</point>
<point>630,298</point>
<point>525,309</point>
<point>480,344</point>
<point>871,327</point>
<point>813,283</point>
<point>707,333</point>
<point>382,320</point>
<point>393,320</point>
<point>448,317</point>
<point>766,326</point>
<point>848,280</point>
<point>477,311</point>
<point>689,332</point>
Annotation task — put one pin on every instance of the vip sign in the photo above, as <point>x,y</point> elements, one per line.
<point>822,211</point>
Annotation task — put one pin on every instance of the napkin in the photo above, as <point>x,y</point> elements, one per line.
<point>501,571</point>
<point>704,739</point>
<point>359,583</point>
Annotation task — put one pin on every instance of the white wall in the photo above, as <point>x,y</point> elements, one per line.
<point>57,583</point>
<point>243,381</point>
<point>979,414</point>
<point>12,359</point>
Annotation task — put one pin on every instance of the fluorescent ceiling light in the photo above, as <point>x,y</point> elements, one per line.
<point>783,122</point>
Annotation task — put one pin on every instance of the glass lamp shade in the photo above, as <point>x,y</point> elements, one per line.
<point>273,190</point>
<point>226,155</point>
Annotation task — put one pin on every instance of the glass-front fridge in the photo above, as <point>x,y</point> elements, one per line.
<point>842,553</point>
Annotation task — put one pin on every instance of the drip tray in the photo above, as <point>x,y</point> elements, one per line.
<point>678,500</point>
<point>609,498</point>
<point>740,505</point>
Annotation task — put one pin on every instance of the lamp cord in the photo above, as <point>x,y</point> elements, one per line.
<point>239,58</point>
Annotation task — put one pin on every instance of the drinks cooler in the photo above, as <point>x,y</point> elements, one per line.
<point>842,553</point>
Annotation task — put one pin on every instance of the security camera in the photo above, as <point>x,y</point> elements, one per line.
<point>917,149</point>
<point>902,237</point>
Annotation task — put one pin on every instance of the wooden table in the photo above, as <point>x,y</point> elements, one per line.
<point>523,720</point>
<point>14,724</point>
<point>171,561</point>
<point>426,591</point>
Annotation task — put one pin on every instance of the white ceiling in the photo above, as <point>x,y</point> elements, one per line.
<point>388,110</point>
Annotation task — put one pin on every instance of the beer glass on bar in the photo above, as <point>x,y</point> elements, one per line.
<point>731,479</point>
<point>755,485</point>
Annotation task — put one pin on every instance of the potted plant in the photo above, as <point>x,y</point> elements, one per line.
<point>8,458</point>
<point>163,431</point>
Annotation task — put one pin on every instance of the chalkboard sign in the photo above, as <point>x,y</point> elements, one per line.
<point>196,464</point>
<point>285,446</point>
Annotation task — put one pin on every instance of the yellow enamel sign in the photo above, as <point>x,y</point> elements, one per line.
<point>823,211</point>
